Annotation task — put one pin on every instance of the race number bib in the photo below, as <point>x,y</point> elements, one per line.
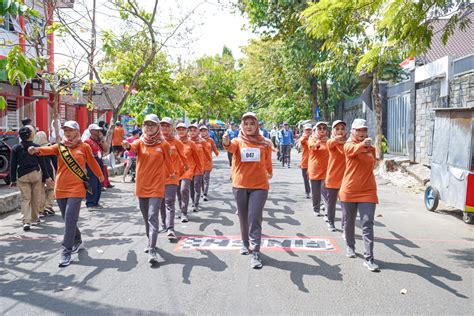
<point>250,154</point>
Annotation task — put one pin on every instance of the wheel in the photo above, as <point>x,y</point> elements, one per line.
<point>431,198</point>
<point>4,164</point>
<point>7,180</point>
<point>468,218</point>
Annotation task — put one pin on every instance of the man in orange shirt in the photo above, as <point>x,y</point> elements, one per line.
<point>359,191</point>
<point>317,165</point>
<point>305,157</point>
<point>117,139</point>
<point>208,163</point>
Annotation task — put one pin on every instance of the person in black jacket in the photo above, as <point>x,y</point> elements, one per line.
<point>28,172</point>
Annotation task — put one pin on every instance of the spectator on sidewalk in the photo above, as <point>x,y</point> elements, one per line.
<point>95,186</point>
<point>117,139</point>
<point>29,173</point>
<point>131,156</point>
<point>47,199</point>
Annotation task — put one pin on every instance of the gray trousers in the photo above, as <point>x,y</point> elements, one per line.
<point>205,181</point>
<point>183,195</point>
<point>250,205</point>
<point>70,208</point>
<point>150,208</point>
<point>167,208</point>
<point>366,213</point>
<point>307,187</point>
<point>318,190</point>
<point>286,152</point>
<point>196,190</point>
<point>331,195</point>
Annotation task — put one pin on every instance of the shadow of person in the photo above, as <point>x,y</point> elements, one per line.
<point>275,222</point>
<point>205,222</point>
<point>211,261</point>
<point>299,269</point>
<point>429,272</point>
<point>392,243</point>
<point>465,256</point>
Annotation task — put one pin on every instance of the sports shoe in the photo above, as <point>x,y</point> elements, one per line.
<point>205,198</point>
<point>36,223</point>
<point>184,218</point>
<point>65,260</point>
<point>244,250</point>
<point>152,256</point>
<point>195,209</point>
<point>371,265</point>
<point>171,234</point>
<point>350,253</point>
<point>26,227</point>
<point>42,214</point>
<point>255,261</point>
<point>49,211</point>
<point>77,246</point>
<point>331,227</point>
<point>326,219</point>
<point>146,249</point>
<point>163,229</point>
<point>91,208</point>
<point>318,214</point>
<point>308,196</point>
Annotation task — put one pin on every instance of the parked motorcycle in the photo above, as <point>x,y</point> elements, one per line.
<point>5,158</point>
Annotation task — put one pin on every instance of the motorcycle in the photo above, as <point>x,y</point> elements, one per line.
<point>5,159</point>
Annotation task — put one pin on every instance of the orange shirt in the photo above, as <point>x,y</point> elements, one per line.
<point>67,184</point>
<point>152,165</point>
<point>251,164</point>
<point>212,148</point>
<point>358,183</point>
<point>193,160</point>
<point>204,151</point>
<point>336,164</point>
<point>178,159</point>
<point>305,152</point>
<point>117,137</point>
<point>318,160</point>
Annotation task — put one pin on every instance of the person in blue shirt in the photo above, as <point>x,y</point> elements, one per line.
<point>233,132</point>
<point>286,141</point>
<point>213,135</point>
<point>263,130</point>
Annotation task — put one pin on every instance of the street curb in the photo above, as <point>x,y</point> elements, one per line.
<point>9,202</point>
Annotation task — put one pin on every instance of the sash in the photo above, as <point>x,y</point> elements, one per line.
<point>73,166</point>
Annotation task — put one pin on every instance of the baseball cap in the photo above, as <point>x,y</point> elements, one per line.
<point>195,125</point>
<point>203,127</point>
<point>337,122</point>
<point>359,123</point>
<point>71,124</point>
<point>260,122</point>
<point>285,123</point>
<point>307,126</point>
<point>94,127</point>
<point>151,118</point>
<point>321,123</point>
<point>181,125</point>
<point>167,120</point>
<point>249,114</point>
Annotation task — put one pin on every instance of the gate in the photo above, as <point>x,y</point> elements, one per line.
<point>398,109</point>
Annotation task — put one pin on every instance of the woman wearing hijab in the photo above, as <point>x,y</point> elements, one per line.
<point>305,157</point>
<point>28,172</point>
<point>193,159</point>
<point>153,165</point>
<point>70,186</point>
<point>317,165</point>
<point>359,191</point>
<point>47,198</point>
<point>208,163</point>
<point>205,155</point>
<point>336,167</point>
<point>251,170</point>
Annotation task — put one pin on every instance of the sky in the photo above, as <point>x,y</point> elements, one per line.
<point>213,24</point>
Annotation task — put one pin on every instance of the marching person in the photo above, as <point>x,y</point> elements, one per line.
<point>305,157</point>
<point>117,139</point>
<point>205,155</point>
<point>171,184</point>
<point>95,186</point>
<point>359,191</point>
<point>208,162</point>
<point>336,168</point>
<point>71,183</point>
<point>28,172</point>
<point>193,159</point>
<point>263,130</point>
<point>317,165</point>
<point>233,133</point>
<point>286,141</point>
<point>153,165</point>
<point>251,172</point>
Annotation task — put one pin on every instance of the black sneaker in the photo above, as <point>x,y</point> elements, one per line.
<point>26,227</point>
<point>78,246</point>
<point>205,198</point>
<point>371,265</point>
<point>350,252</point>
<point>255,261</point>
<point>65,260</point>
<point>49,211</point>
<point>152,256</point>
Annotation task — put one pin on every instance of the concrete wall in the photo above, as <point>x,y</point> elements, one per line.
<point>353,109</point>
<point>461,91</point>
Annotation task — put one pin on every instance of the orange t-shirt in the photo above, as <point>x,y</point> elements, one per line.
<point>178,159</point>
<point>251,164</point>
<point>318,160</point>
<point>213,148</point>
<point>204,151</point>
<point>152,165</point>
<point>117,136</point>
<point>336,164</point>
<point>358,183</point>
<point>67,184</point>
<point>305,152</point>
<point>193,160</point>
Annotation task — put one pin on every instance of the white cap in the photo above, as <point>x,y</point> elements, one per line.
<point>181,125</point>
<point>195,125</point>
<point>152,118</point>
<point>167,120</point>
<point>249,114</point>
<point>94,127</point>
<point>307,126</point>
<point>359,123</point>
<point>203,127</point>
<point>71,124</point>
<point>337,122</point>
<point>320,123</point>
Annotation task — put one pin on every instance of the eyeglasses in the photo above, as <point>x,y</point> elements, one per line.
<point>322,128</point>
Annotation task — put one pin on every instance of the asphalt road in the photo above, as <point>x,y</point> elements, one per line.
<point>428,255</point>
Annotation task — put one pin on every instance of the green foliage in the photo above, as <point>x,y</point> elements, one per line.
<point>13,7</point>
<point>19,67</point>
